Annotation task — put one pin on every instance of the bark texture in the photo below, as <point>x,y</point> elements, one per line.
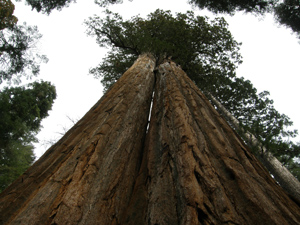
<point>190,167</point>
<point>88,176</point>
<point>281,174</point>
<point>196,170</point>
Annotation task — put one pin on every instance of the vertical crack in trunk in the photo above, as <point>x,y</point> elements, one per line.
<point>150,111</point>
<point>105,180</point>
<point>184,167</point>
<point>212,180</point>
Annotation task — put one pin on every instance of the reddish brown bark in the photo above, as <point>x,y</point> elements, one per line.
<point>191,169</point>
<point>281,174</point>
<point>196,170</point>
<point>88,176</point>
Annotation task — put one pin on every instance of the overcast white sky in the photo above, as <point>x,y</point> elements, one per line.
<point>271,56</point>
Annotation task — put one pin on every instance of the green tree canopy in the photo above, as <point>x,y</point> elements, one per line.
<point>14,160</point>
<point>230,7</point>
<point>21,112</point>
<point>288,13</point>
<point>203,48</point>
<point>46,6</point>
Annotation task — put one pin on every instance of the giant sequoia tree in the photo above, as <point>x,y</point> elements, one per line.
<point>205,49</point>
<point>207,52</point>
<point>184,166</point>
<point>188,167</point>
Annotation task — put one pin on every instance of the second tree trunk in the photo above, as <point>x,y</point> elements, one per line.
<point>196,170</point>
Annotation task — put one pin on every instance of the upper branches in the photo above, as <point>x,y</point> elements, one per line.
<point>200,46</point>
<point>17,52</point>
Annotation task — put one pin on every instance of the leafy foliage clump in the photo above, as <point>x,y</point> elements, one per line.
<point>230,7</point>
<point>21,111</point>
<point>14,160</point>
<point>47,6</point>
<point>288,13</point>
<point>202,47</point>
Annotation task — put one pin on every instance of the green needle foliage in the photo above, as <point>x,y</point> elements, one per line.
<point>14,160</point>
<point>203,48</point>
<point>21,112</point>
<point>209,55</point>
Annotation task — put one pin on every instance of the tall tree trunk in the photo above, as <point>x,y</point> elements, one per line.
<point>190,167</point>
<point>88,176</point>
<point>281,174</point>
<point>196,170</point>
